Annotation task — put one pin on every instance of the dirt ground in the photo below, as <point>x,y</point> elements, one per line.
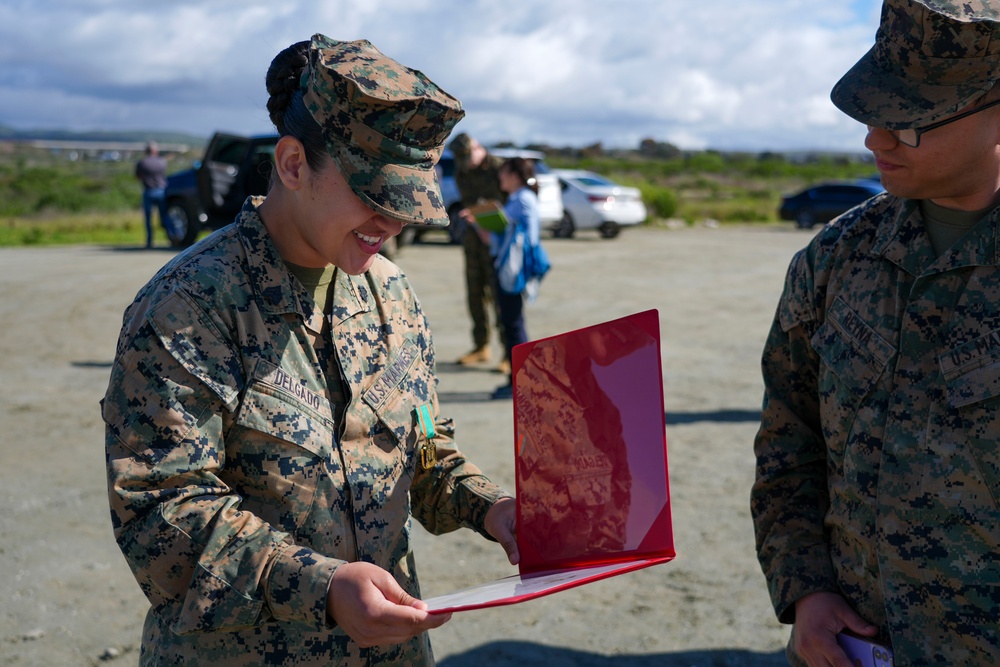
<point>67,596</point>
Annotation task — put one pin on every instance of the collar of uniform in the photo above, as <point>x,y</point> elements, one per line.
<point>274,284</point>
<point>271,281</point>
<point>351,295</point>
<point>980,245</point>
<point>903,240</point>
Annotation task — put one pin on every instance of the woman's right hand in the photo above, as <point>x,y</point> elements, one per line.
<point>371,607</point>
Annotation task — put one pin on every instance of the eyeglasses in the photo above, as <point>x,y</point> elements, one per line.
<point>911,136</point>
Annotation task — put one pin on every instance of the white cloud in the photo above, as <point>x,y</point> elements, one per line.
<point>728,74</point>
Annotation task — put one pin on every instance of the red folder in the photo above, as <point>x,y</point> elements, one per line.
<point>593,497</point>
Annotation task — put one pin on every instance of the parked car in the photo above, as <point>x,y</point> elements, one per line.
<point>591,201</point>
<point>825,201</point>
<point>550,203</point>
<point>549,193</point>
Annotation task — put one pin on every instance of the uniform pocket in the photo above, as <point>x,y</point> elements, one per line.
<point>278,454</point>
<point>275,414</point>
<point>972,377</point>
<point>853,358</point>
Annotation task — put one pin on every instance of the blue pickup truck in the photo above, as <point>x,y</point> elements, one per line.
<point>210,194</point>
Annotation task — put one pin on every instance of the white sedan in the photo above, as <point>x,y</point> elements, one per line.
<point>591,201</point>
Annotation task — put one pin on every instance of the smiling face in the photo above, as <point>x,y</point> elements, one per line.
<point>315,219</point>
<point>956,165</point>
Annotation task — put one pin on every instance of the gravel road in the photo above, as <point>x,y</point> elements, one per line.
<point>69,598</point>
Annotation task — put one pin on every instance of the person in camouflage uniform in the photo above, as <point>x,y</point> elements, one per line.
<point>477,177</point>
<point>272,419</point>
<point>878,456</point>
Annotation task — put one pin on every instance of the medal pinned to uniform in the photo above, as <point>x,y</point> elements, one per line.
<point>428,453</point>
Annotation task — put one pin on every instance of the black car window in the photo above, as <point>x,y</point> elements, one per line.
<point>229,151</point>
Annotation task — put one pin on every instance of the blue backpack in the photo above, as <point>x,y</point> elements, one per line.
<point>536,261</point>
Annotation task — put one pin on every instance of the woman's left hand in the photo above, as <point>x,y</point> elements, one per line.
<point>501,523</point>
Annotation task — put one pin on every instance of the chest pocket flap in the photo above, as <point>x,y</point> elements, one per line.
<point>851,348</point>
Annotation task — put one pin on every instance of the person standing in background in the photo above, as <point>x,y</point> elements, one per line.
<point>509,250</point>
<point>476,176</point>
<point>151,171</point>
<point>876,497</point>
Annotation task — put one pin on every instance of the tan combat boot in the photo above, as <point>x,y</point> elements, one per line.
<point>477,356</point>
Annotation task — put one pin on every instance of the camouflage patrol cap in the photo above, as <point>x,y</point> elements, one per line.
<point>461,148</point>
<point>930,59</point>
<point>384,124</point>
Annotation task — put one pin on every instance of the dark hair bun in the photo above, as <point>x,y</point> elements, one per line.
<point>282,81</point>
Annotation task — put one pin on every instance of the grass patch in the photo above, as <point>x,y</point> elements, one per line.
<point>114,228</point>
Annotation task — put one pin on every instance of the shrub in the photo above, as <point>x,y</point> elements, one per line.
<point>30,190</point>
<point>661,201</point>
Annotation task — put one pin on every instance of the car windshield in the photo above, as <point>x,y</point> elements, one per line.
<point>542,168</point>
<point>588,180</point>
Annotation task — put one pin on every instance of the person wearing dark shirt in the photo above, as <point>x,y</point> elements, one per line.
<point>151,171</point>
<point>476,175</point>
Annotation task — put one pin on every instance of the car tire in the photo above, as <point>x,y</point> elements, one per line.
<point>805,219</point>
<point>609,230</point>
<point>184,224</point>
<point>565,228</point>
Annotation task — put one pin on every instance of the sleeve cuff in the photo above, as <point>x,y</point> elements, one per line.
<point>788,588</point>
<point>297,586</point>
<point>482,494</point>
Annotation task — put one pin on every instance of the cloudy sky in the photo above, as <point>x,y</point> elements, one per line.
<point>723,74</point>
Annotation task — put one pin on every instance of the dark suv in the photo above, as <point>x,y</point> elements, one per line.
<point>211,194</point>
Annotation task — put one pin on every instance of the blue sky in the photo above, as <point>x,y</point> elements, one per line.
<point>728,74</point>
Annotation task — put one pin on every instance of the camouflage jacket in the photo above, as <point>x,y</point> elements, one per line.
<point>878,454</point>
<point>481,183</point>
<point>238,484</point>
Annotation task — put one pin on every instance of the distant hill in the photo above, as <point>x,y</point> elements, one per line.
<point>10,134</point>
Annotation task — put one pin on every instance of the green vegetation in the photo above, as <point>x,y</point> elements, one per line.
<point>726,187</point>
<point>48,198</point>
<point>37,183</point>
<point>55,198</point>
<point>113,228</point>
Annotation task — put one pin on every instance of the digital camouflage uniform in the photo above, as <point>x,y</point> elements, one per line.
<point>479,184</point>
<point>878,455</point>
<point>247,459</point>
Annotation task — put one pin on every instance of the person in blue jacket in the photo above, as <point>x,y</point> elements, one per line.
<point>510,247</point>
